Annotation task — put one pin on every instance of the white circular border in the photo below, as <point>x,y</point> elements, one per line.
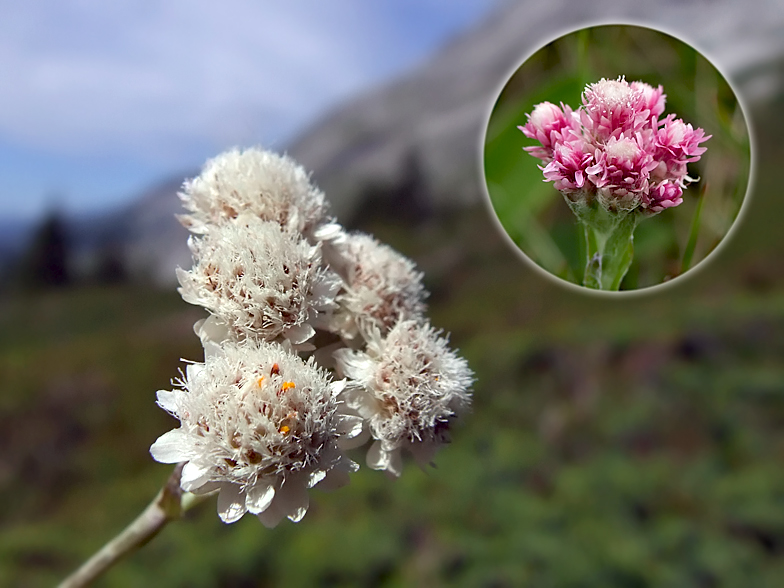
<point>637,292</point>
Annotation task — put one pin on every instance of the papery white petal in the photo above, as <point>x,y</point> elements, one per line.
<point>349,443</point>
<point>271,516</point>
<point>212,329</point>
<point>172,447</point>
<point>194,475</point>
<point>336,478</point>
<point>316,477</point>
<point>192,371</point>
<point>390,460</point>
<point>207,487</point>
<point>186,290</point>
<point>359,400</point>
<point>348,426</point>
<point>198,325</point>
<point>300,333</point>
<point>352,364</point>
<point>377,458</point>
<point>212,349</point>
<point>295,501</point>
<point>167,400</point>
<point>330,231</point>
<point>231,503</point>
<point>259,497</point>
<point>395,465</point>
<point>338,386</point>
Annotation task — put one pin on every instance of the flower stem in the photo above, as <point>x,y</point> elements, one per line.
<point>609,247</point>
<point>168,505</point>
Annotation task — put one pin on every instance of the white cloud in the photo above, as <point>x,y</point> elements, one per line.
<point>152,80</point>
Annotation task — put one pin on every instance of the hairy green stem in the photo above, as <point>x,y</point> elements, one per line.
<point>609,253</point>
<point>609,243</point>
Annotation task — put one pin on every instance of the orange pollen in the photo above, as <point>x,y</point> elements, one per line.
<point>284,429</point>
<point>287,386</point>
<point>259,381</point>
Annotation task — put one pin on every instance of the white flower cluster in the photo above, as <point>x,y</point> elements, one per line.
<point>282,281</point>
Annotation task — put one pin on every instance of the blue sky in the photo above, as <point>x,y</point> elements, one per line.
<point>99,100</point>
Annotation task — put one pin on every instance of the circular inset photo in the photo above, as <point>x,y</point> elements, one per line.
<point>617,158</point>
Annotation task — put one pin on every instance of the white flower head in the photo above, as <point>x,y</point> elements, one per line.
<point>608,94</point>
<point>381,286</point>
<point>259,424</point>
<point>267,185</point>
<point>408,386</point>
<point>259,281</point>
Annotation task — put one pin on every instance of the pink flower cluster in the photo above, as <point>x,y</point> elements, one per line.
<point>616,146</point>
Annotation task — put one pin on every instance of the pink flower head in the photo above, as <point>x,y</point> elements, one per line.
<point>548,124</point>
<point>663,195</point>
<point>616,146</point>
<point>676,144</point>
<point>567,169</point>
<point>621,172</point>
<point>612,107</point>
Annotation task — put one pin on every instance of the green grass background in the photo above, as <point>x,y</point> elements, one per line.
<point>534,214</point>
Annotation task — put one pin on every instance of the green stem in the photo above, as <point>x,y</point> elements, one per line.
<point>609,244</point>
<point>593,259</point>
<point>168,505</point>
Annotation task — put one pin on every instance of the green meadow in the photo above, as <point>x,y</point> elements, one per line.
<point>613,442</point>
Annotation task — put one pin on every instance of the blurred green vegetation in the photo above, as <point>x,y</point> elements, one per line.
<point>627,443</point>
<point>612,443</point>
<point>533,212</point>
